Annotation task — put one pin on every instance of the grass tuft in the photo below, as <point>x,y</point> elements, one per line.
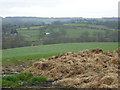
<point>37,79</point>
<point>23,78</point>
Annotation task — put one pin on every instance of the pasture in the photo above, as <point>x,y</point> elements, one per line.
<point>72,30</point>
<point>45,51</point>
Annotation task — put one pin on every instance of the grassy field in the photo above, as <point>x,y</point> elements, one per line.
<point>89,25</point>
<point>79,31</point>
<point>32,33</point>
<point>35,27</point>
<point>45,51</point>
<point>0,55</point>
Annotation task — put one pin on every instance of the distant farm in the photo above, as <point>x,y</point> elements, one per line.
<point>27,31</point>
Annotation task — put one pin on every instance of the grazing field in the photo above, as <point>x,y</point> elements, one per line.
<point>72,30</point>
<point>30,35</point>
<point>0,55</point>
<point>89,25</point>
<point>45,51</point>
<point>77,32</point>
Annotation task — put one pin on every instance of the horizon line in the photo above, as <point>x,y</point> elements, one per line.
<point>57,17</point>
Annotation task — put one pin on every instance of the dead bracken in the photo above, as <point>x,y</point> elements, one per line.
<point>93,68</point>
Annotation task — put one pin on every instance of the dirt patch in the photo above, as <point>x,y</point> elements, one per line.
<point>85,69</point>
<point>15,67</point>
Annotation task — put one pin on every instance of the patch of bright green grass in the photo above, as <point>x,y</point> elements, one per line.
<point>24,75</point>
<point>45,51</point>
<point>12,78</point>
<point>23,78</point>
<point>37,79</point>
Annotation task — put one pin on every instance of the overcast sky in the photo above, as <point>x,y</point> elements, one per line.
<point>59,8</point>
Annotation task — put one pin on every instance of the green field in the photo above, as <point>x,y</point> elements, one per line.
<point>45,51</point>
<point>33,35</point>
<point>72,30</point>
<point>30,35</point>
<point>0,55</point>
<point>79,31</point>
<point>35,27</point>
<point>90,25</point>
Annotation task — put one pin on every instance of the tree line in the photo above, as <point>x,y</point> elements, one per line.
<point>11,38</point>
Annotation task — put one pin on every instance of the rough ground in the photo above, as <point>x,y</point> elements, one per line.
<point>85,69</point>
<point>15,67</point>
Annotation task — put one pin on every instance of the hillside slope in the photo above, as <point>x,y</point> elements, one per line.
<point>45,51</point>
